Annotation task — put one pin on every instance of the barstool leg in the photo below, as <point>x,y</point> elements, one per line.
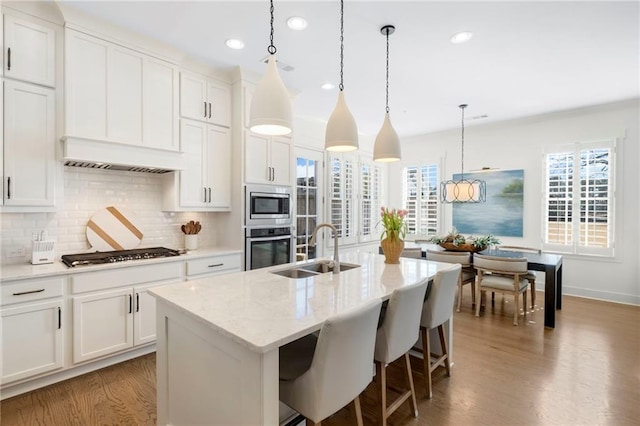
<point>358,408</point>
<point>426,359</point>
<point>445,349</point>
<point>409,380</point>
<point>381,373</point>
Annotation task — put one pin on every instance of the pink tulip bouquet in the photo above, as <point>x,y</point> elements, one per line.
<point>393,222</point>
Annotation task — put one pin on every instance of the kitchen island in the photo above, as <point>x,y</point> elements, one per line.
<point>218,338</point>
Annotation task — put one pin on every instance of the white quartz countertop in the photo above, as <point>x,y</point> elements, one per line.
<point>263,311</point>
<point>27,270</point>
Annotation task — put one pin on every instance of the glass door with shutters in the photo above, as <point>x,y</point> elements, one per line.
<point>309,172</point>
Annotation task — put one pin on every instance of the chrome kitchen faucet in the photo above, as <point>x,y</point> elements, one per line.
<point>336,261</point>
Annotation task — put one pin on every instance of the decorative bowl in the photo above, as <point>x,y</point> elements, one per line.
<point>461,247</point>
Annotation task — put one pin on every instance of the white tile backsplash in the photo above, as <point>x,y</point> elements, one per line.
<point>89,190</point>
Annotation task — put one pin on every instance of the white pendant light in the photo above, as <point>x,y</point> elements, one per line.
<point>387,144</point>
<point>463,190</point>
<point>342,132</point>
<point>270,112</point>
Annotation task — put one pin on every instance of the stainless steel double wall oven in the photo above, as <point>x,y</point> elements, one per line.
<point>268,226</point>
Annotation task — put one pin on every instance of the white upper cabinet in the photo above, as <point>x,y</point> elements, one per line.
<point>124,95</point>
<point>205,182</point>
<point>29,51</point>
<point>205,100</point>
<point>267,159</point>
<point>118,94</point>
<point>86,85</point>
<point>160,104</point>
<point>29,145</point>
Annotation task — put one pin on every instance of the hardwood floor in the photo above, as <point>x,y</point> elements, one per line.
<point>584,372</point>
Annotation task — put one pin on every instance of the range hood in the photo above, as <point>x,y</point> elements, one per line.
<point>99,154</point>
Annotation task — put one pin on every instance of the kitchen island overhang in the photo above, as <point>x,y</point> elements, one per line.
<point>218,337</point>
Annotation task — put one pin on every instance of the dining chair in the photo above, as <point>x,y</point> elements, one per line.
<point>320,375</point>
<point>504,275</point>
<point>467,275</point>
<point>530,275</point>
<point>413,252</point>
<point>396,336</point>
<point>437,310</point>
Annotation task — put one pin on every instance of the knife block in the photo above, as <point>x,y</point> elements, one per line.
<point>42,252</point>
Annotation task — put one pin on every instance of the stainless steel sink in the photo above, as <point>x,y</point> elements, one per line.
<point>313,268</point>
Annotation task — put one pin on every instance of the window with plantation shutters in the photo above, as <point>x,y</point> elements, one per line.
<point>342,202</point>
<point>370,200</point>
<point>420,199</point>
<point>579,198</point>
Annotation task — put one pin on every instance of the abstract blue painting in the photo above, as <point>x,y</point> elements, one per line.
<point>501,214</point>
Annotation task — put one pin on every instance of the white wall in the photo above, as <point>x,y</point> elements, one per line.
<point>85,192</point>
<point>519,144</point>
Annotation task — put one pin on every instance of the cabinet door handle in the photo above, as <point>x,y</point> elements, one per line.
<point>9,59</point>
<point>209,109</point>
<point>273,174</point>
<point>59,318</point>
<point>209,194</point>
<point>40,290</point>
<point>9,187</point>
<point>130,304</point>
<point>205,109</point>
<point>205,193</point>
<point>215,265</point>
<point>137,302</point>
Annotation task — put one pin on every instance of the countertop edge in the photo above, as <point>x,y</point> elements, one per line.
<point>22,271</point>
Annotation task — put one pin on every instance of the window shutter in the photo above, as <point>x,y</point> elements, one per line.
<point>579,199</point>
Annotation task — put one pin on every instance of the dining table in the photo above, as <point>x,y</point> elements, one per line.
<point>549,263</point>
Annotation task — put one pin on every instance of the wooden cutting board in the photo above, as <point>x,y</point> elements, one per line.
<point>113,229</point>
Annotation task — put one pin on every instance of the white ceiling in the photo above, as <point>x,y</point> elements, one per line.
<point>525,58</point>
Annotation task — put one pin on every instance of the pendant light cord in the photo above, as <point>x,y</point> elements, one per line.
<point>271,49</point>
<point>462,107</point>
<point>341,86</point>
<point>387,88</point>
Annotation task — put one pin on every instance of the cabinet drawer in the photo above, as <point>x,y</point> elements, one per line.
<point>135,275</point>
<point>29,290</point>
<point>214,264</point>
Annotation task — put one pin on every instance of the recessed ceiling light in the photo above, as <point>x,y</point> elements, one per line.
<point>461,37</point>
<point>297,23</point>
<point>236,44</point>
<point>328,86</point>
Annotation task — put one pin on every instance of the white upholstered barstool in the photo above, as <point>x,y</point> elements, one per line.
<point>319,376</point>
<point>467,274</point>
<point>396,336</point>
<point>437,310</point>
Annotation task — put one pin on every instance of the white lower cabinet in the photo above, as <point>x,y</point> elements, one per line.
<point>57,327</point>
<point>102,324</point>
<point>213,265</point>
<point>112,310</point>
<point>32,331</point>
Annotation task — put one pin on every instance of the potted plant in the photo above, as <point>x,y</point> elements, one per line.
<point>392,237</point>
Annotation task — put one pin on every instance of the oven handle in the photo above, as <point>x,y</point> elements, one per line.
<point>282,237</point>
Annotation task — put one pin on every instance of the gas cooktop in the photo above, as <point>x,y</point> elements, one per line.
<point>114,256</point>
